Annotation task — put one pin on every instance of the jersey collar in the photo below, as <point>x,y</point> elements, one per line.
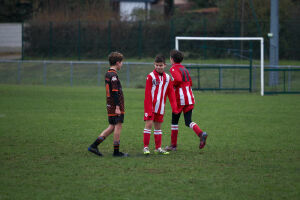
<point>176,65</point>
<point>110,69</point>
<point>156,73</point>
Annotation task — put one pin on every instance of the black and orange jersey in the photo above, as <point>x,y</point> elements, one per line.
<point>114,93</point>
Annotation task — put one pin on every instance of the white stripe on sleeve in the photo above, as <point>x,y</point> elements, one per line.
<point>153,86</point>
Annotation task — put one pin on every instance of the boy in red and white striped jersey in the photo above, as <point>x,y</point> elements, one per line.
<point>158,87</point>
<point>185,100</point>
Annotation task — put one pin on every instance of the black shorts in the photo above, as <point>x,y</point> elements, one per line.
<point>116,119</point>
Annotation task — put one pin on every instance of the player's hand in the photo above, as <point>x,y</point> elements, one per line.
<point>118,111</point>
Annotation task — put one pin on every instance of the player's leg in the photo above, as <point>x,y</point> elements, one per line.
<point>117,133</point>
<point>147,134</point>
<point>94,147</point>
<point>189,123</point>
<point>174,132</point>
<point>105,133</point>
<point>158,134</point>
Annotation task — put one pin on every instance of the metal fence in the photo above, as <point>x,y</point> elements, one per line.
<point>288,80</point>
<point>220,77</point>
<point>93,40</point>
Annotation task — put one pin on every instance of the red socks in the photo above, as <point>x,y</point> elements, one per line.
<point>147,134</point>
<point>174,133</point>
<point>157,138</point>
<point>196,128</point>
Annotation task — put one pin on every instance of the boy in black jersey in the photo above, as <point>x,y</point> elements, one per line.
<point>115,106</point>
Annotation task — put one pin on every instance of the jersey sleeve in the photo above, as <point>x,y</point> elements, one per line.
<point>172,98</point>
<point>177,78</point>
<point>148,97</point>
<point>115,89</point>
<point>114,83</point>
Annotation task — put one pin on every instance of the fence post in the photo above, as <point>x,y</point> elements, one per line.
<point>109,36</point>
<point>45,73</point>
<point>128,74</point>
<point>254,78</point>
<point>236,24</point>
<point>284,81</point>
<point>205,33</point>
<point>140,39</point>
<point>71,73</point>
<point>50,40</point>
<point>99,74</point>
<point>78,41</point>
<point>220,77</point>
<point>172,34</point>
<point>289,79</point>
<point>250,69</point>
<point>19,72</point>
<point>198,72</point>
<point>22,36</point>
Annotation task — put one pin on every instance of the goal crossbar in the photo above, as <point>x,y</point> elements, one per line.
<point>261,39</point>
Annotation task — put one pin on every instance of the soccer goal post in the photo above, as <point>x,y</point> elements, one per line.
<point>178,38</point>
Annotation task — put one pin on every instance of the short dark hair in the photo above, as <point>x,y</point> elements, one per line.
<point>160,58</point>
<point>176,55</point>
<point>115,57</point>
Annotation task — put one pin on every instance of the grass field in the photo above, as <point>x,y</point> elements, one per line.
<point>253,149</point>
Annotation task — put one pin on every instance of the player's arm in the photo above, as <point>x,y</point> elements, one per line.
<point>172,98</point>
<point>148,97</point>
<point>115,94</point>
<point>177,77</point>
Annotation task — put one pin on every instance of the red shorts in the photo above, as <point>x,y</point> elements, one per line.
<point>154,117</point>
<point>184,108</point>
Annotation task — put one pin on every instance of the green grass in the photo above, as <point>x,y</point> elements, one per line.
<point>253,149</point>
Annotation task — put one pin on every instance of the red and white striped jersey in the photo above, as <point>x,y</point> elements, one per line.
<point>182,84</point>
<point>158,87</point>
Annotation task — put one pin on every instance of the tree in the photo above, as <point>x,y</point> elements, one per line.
<point>169,7</point>
<point>15,10</point>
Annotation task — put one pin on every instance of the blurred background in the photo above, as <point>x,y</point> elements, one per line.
<point>88,30</point>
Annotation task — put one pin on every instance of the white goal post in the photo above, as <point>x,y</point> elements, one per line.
<point>177,38</point>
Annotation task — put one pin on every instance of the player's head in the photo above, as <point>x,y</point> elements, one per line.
<point>115,59</point>
<point>160,63</point>
<point>176,56</point>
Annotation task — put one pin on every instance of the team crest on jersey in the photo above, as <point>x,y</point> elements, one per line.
<point>155,82</point>
<point>114,78</point>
